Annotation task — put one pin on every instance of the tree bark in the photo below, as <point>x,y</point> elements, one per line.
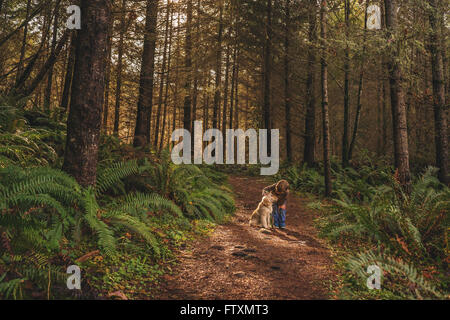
<point>108,79</point>
<point>119,69</point>
<point>310,119</point>
<point>48,89</point>
<point>345,147</point>
<point>68,78</point>
<point>439,103</point>
<point>83,125</point>
<point>384,88</point>
<point>236,90</point>
<point>169,65</point>
<point>325,111</point>
<point>145,100</point>
<point>360,87</point>
<point>196,67</point>
<point>287,89</point>
<point>225,93</point>
<point>177,73</point>
<point>400,127</point>
<point>161,81</point>
<point>188,65</point>
<point>24,43</point>
<point>268,75</point>
<point>217,97</point>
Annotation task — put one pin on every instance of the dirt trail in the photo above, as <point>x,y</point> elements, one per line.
<point>241,262</point>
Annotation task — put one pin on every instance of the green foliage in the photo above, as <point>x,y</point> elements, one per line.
<point>47,219</point>
<point>25,145</point>
<point>403,234</point>
<point>45,211</point>
<point>303,179</point>
<point>401,280</point>
<point>359,184</point>
<point>28,270</point>
<point>409,230</point>
<point>192,188</point>
<point>113,175</point>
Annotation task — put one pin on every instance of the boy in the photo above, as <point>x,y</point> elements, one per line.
<point>281,191</point>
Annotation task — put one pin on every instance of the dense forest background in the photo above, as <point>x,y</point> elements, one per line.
<point>344,96</point>
<point>245,64</point>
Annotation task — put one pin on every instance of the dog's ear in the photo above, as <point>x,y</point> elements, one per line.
<point>273,198</point>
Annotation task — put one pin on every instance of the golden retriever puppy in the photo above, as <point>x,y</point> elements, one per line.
<point>262,216</point>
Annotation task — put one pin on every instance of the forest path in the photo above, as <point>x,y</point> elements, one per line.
<point>240,262</point>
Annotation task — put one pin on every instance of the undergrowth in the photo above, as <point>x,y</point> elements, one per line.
<point>370,221</point>
<point>122,232</point>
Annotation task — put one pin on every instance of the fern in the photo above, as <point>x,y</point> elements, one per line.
<point>110,176</point>
<point>418,287</point>
<point>12,289</point>
<point>43,209</point>
<point>105,235</point>
<point>140,228</point>
<point>370,208</point>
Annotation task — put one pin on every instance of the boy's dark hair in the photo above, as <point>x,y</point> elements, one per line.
<point>282,186</point>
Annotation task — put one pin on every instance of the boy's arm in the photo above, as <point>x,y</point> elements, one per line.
<point>268,189</point>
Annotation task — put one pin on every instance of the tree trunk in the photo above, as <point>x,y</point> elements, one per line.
<point>206,100</point>
<point>68,78</point>
<point>225,93</point>
<point>268,75</point>
<point>196,67</point>
<point>83,125</point>
<point>48,89</point>
<point>360,88</point>
<point>379,120</point>
<point>119,70</point>
<point>161,81</point>
<point>325,111</point>
<point>108,79</point>
<point>169,65</point>
<point>145,100</point>
<point>310,120</point>
<point>24,44</point>
<point>232,92</point>
<point>188,65</point>
<point>287,89</point>
<point>247,101</point>
<point>177,73</point>
<point>439,105</point>
<point>345,150</point>
<point>236,90</point>
<point>398,105</point>
<point>216,109</point>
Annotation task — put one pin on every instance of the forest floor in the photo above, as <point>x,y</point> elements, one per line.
<point>241,262</point>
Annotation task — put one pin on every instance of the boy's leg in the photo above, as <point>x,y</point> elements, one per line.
<point>276,221</point>
<point>282,215</point>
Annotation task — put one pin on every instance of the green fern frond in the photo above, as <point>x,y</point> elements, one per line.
<point>396,268</point>
<point>106,239</point>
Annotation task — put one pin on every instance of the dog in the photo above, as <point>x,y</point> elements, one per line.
<point>262,216</point>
